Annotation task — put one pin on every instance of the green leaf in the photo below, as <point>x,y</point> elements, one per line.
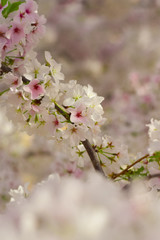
<point>134,173</point>
<point>36,118</point>
<point>5,11</point>
<point>6,90</point>
<point>155,157</point>
<point>3,2</point>
<point>12,7</point>
<point>9,61</point>
<point>15,6</point>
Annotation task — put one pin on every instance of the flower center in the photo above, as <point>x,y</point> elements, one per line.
<point>36,86</point>
<point>79,114</point>
<point>28,11</point>
<point>15,82</point>
<point>56,122</point>
<point>21,15</point>
<point>74,130</point>
<point>1,34</point>
<point>17,30</point>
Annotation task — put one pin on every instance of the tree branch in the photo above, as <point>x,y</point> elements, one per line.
<point>114,176</point>
<point>93,157</point>
<point>154,176</point>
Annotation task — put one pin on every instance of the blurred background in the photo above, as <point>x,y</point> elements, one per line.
<point>113,46</point>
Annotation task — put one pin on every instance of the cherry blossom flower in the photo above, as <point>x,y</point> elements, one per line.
<point>74,93</point>
<point>34,109</point>
<point>55,68</point>
<point>13,81</point>
<point>53,123</point>
<point>29,8</point>
<point>34,88</point>
<point>154,129</point>
<point>79,114</point>
<point>75,134</point>
<point>35,70</point>
<point>37,31</point>
<point>16,32</point>
<point>17,195</point>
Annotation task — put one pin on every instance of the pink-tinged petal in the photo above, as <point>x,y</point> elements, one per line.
<point>16,82</point>
<point>52,124</point>
<point>35,109</point>
<point>34,88</point>
<point>16,32</point>
<point>20,16</point>
<point>3,30</point>
<point>77,114</point>
<point>3,38</point>
<point>12,81</point>
<point>29,7</point>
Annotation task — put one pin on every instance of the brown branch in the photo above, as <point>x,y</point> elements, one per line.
<point>114,176</point>
<point>153,176</point>
<point>86,143</point>
<point>93,156</point>
<point>6,69</point>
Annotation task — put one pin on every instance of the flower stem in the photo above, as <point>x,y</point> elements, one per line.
<point>62,111</point>
<point>4,91</point>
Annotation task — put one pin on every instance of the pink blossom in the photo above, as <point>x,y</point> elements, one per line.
<point>38,28</point>
<point>29,7</point>
<point>20,17</point>
<point>52,124</point>
<point>13,81</point>
<point>78,114</point>
<point>34,88</point>
<point>16,82</point>
<point>3,39</point>
<point>34,109</point>
<point>19,69</point>
<point>73,169</point>
<point>16,32</point>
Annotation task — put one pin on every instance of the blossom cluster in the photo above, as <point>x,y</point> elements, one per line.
<point>20,30</point>
<point>34,90</point>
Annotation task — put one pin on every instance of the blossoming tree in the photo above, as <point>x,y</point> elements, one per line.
<point>38,101</point>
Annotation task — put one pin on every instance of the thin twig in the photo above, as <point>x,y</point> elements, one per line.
<point>114,176</point>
